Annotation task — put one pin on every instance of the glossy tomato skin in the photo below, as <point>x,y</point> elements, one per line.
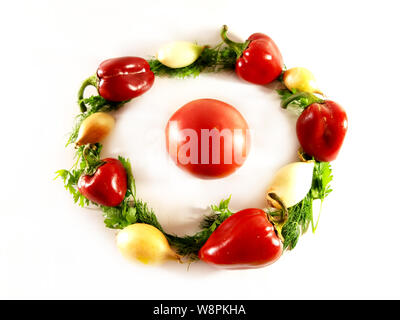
<point>107,186</point>
<point>321,129</point>
<point>208,114</point>
<point>124,78</point>
<point>245,240</point>
<point>261,62</point>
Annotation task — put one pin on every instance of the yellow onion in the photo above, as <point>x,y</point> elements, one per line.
<point>95,128</point>
<point>179,54</point>
<point>145,243</point>
<point>300,79</point>
<point>291,184</point>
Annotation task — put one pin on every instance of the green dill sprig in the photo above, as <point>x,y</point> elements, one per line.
<point>189,246</point>
<point>210,60</point>
<point>300,217</point>
<point>301,214</point>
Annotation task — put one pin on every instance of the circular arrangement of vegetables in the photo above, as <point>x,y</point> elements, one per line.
<point>249,238</point>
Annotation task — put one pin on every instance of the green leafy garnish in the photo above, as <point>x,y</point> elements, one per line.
<point>321,178</point>
<point>190,245</point>
<point>297,101</point>
<point>301,214</point>
<point>87,161</point>
<point>321,185</point>
<point>210,60</point>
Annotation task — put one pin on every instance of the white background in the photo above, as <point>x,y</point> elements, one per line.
<point>50,248</point>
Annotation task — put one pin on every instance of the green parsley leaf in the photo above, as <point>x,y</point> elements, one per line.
<point>321,178</point>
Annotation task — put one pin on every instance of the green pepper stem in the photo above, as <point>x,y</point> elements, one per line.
<point>238,47</point>
<point>91,81</point>
<point>301,95</point>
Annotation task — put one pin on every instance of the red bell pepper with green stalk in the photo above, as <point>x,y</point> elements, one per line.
<point>124,78</point>
<point>259,60</point>
<point>321,129</point>
<point>103,181</point>
<point>247,239</point>
<point>120,79</point>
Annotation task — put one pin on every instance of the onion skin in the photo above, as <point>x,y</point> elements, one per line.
<point>95,128</point>
<point>300,79</point>
<point>179,54</point>
<point>291,184</point>
<point>145,243</point>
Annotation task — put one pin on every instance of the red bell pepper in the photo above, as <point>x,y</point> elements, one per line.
<point>124,78</point>
<point>321,129</point>
<point>259,60</point>
<point>107,186</point>
<point>245,240</point>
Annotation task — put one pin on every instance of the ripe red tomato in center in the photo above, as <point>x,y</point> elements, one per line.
<point>208,138</point>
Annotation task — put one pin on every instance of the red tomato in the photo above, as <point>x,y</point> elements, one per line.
<point>208,138</point>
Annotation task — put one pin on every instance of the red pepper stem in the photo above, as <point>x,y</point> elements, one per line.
<point>238,47</point>
<point>91,81</point>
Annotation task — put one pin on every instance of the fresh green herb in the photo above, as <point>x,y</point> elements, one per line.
<point>119,217</point>
<point>210,60</point>
<point>70,179</point>
<point>321,185</point>
<point>297,101</point>
<point>190,245</point>
<point>321,178</point>
<point>301,214</point>
<point>131,210</point>
<point>131,189</point>
<point>87,161</point>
